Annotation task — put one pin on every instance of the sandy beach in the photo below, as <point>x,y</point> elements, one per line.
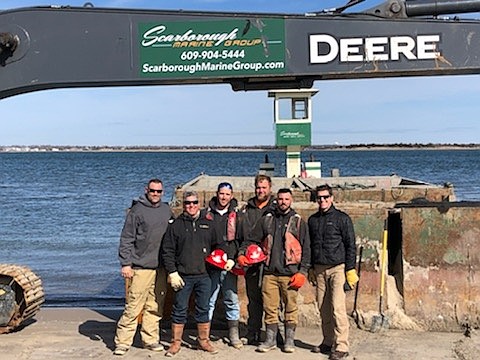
<point>81,333</point>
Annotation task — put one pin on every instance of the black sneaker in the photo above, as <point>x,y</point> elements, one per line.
<point>337,355</point>
<point>322,349</point>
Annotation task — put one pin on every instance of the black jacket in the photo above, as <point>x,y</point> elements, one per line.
<point>277,264</point>
<point>332,238</point>
<point>187,243</point>
<point>220,222</point>
<point>250,225</point>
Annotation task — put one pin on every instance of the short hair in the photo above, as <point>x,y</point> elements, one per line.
<point>262,177</point>
<point>155,181</point>
<point>189,193</point>
<point>323,188</point>
<point>224,185</point>
<point>284,191</point>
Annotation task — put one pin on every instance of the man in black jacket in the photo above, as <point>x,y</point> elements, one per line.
<point>251,233</point>
<point>223,206</point>
<point>332,240</point>
<point>188,241</point>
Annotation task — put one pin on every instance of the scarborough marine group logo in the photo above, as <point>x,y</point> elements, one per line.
<point>159,36</point>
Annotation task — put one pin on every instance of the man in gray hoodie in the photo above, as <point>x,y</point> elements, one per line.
<point>139,251</point>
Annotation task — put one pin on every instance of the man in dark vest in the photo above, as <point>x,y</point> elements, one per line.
<point>286,245</point>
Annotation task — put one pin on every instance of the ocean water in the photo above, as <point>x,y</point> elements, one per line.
<point>61,213</point>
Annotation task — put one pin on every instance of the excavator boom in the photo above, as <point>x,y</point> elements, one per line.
<point>62,47</point>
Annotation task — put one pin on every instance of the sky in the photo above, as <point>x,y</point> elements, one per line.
<point>383,111</point>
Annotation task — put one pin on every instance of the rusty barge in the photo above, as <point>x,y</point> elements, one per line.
<point>431,246</point>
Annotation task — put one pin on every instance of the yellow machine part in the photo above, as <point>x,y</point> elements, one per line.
<point>29,294</point>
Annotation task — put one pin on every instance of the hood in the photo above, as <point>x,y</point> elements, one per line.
<point>144,201</point>
<point>289,213</point>
<point>270,206</point>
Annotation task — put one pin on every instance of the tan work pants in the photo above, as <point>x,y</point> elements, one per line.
<point>273,288</point>
<point>147,293</point>
<point>331,303</point>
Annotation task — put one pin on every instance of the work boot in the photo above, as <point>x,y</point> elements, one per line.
<point>120,350</point>
<point>322,349</point>
<point>271,339</point>
<point>204,338</point>
<point>289,338</point>
<point>176,344</point>
<point>252,338</point>
<point>280,339</point>
<point>154,347</point>
<point>233,334</point>
<point>338,355</point>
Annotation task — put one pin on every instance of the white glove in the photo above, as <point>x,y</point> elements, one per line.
<point>229,265</point>
<point>176,281</point>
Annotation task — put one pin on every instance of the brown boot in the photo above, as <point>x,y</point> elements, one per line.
<point>204,338</point>
<point>177,332</point>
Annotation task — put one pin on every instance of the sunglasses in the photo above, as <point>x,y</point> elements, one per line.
<point>155,191</point>
<point>323,197</point>
<point>194,202</point>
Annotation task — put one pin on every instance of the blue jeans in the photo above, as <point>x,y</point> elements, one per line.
<point>227,282</point>
<point>201,286</point>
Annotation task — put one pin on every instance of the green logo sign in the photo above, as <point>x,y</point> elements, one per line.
<point>212,48</point>
<point>293,134</point>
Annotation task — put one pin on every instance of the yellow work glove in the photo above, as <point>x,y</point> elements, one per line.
<point>176,281</point>
<point>229,265</point>
<point>352,278</point>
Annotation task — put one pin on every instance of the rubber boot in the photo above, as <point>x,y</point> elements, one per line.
<point>252,338</point>
<point>233,334</point>
<point>204,338</point>
<point>176,344</point>
<point>271,339</point>
<point>289,338</point>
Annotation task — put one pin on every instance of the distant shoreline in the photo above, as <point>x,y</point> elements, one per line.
<point>264,148</point>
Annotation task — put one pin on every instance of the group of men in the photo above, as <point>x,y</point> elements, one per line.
<point>275,248</point>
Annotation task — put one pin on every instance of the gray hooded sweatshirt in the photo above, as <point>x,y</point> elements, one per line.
<point>142,234</point>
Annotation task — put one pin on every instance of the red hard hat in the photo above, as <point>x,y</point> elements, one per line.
<point>217,258</point>
<point>255,254</point>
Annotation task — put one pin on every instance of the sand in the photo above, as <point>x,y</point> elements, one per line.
<point>81,333</point>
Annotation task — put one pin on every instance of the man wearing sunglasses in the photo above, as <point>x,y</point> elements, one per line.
<point>332,241</point>
<point>139,250</point>
<point>188,241</point>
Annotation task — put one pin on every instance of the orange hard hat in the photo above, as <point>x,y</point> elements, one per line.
<point>255,254</point>
<point>217,258</point>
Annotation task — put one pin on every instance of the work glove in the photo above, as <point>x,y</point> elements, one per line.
<point>312,277</point>
<point>176,281</point>
<point>352,278</point>
<point>229,265</point>
<point>243,261</point>
<point>297,281</point>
